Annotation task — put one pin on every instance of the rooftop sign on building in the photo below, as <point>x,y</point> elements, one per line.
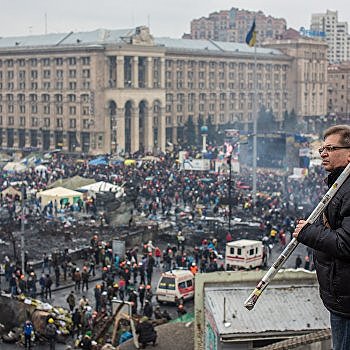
<point>311,33</point>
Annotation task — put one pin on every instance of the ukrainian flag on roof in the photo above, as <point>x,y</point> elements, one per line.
<point>251,36</point>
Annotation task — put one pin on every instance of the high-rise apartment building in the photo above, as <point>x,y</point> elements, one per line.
<point>123,90</point>
<point>233,25</point>
<point>336,32</point>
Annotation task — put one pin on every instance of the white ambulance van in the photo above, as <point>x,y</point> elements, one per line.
<point>174,285</point>
<point>244,253</point>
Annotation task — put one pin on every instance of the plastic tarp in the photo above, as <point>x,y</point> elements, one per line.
<point>100,186</point>
<point>189,317</point>
<point>72,183</point>
<point>129,161</point>
<point>57,194</point>
<point>98,161</point>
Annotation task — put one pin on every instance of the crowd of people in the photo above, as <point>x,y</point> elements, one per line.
<point>163,191</point>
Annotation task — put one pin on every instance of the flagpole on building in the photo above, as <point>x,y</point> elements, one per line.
<point>255,128</point>
<point>251,41</point>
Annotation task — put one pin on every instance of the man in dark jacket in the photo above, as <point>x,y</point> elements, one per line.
<point>329,236</point>
<point>48,284</point>
<point>146,332</point>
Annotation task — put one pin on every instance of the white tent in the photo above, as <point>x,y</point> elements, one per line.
<point>39,168</point>
<point>58,194</point>
<point>102,186</point>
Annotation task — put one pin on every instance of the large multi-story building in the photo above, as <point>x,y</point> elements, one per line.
<point>123,90</point>
<point>308,83</point>
<point>336,35</point>
<point>233,25</point>
<point>339,89</point>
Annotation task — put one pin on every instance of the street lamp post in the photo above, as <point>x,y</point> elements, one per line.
<point>23,190</point>
<point>204,133</point>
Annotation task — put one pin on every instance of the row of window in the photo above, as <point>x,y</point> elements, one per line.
<point>47,109</point>
<point>213,96</point>
<point>46,74</point>
<point>45,61</point>
<point>84,98</point>
<point>222,76</point>
<point>180,64</point>
<point>46,122</point>
<point>237,105</point>
<point>178,120</point>
<point>46,85</point>
<point>222,86</point>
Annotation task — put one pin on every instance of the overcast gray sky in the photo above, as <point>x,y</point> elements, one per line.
<point>166,17</point>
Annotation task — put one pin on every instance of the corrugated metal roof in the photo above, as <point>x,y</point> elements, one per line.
<point>280,309</point>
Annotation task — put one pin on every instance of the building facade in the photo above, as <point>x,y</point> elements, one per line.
<point>337,36</point>
<point>339,90</point>
<point>308,86</point>
<point>233,25</point>
<point>111,91</point>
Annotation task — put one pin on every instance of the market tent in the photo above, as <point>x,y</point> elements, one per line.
<point>59,194</point>
<point>72,183</point>
<point>12,192</point>
<point>40,168</point>
<point>15,167</point>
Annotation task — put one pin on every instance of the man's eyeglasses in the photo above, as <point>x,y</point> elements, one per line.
<point>330,148</point>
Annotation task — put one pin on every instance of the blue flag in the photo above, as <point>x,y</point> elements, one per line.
<point>251,36</point>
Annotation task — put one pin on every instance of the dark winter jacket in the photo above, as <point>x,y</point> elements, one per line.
<point>331,243</point>
<point>146,332</point>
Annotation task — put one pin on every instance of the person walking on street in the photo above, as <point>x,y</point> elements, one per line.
<point>48,284</point>
<point>77,279</point>
<point>329,237</point>
<point>51,333</point>
<point>42,283</point>
<point>71,301</point>
<point>57,275</point>
<point>85,279</point>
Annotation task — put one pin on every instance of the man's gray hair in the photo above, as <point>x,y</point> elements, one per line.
<point>342,130</point>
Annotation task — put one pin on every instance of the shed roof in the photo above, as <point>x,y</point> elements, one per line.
<point>287,309</point>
